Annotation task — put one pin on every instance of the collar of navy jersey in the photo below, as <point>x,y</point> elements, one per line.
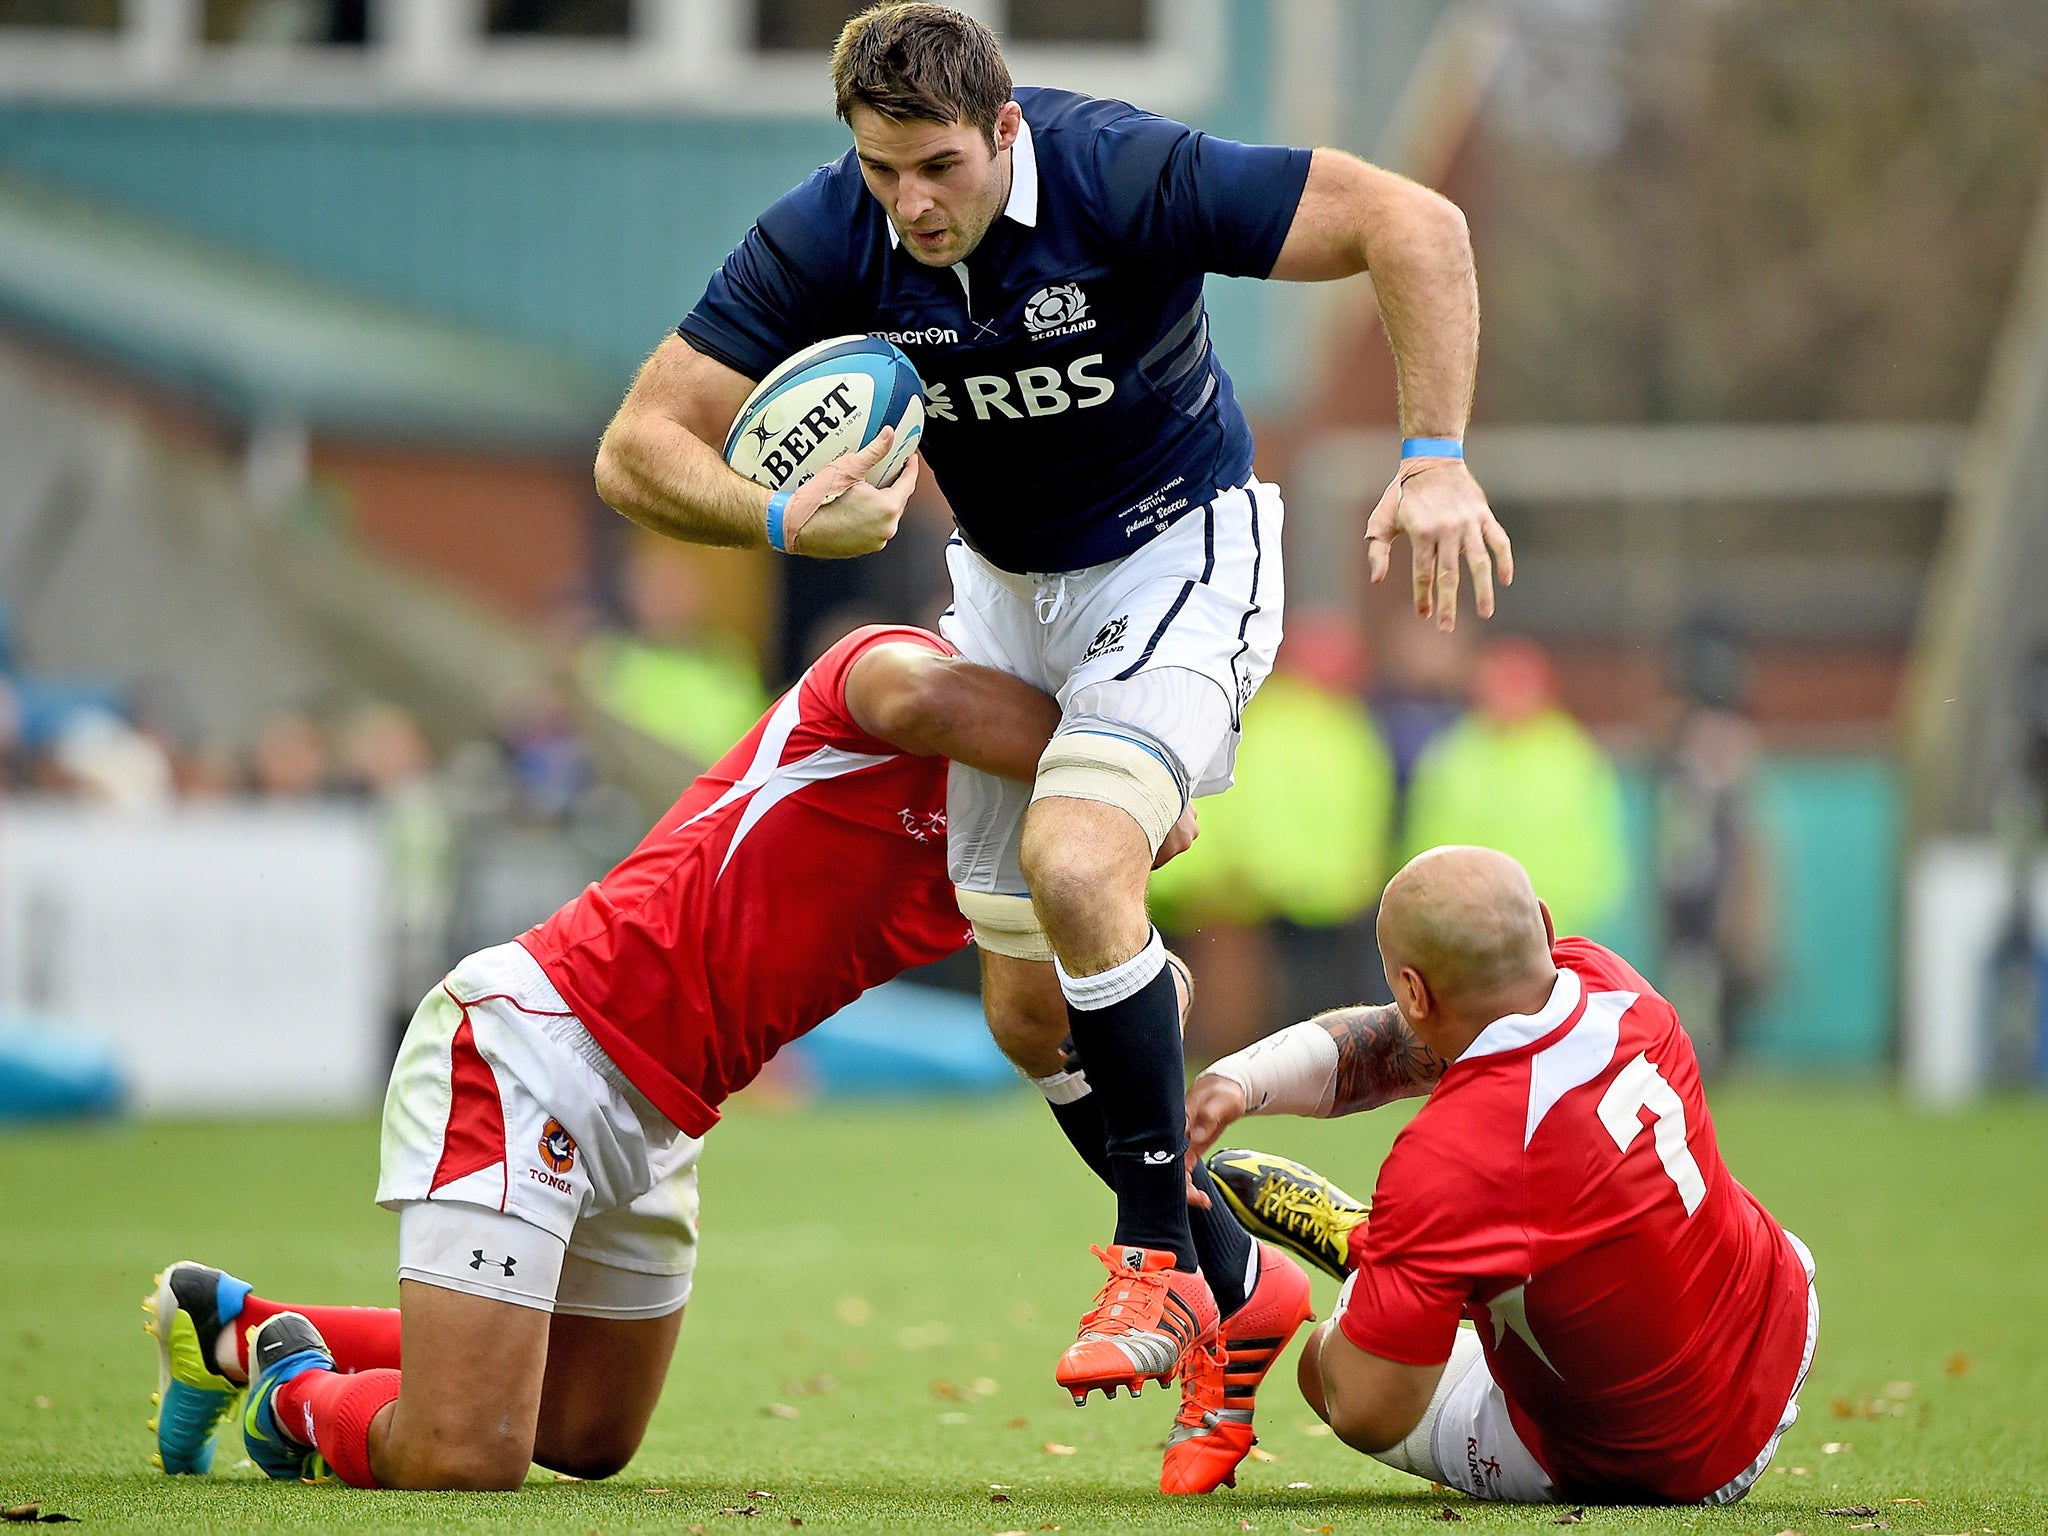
<point>1515,1030</point>
<point>1022,208</point>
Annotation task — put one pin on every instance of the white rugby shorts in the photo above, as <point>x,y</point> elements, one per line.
<point>1166,645</point>
<point>524,1166</point>
<point>1478,1451</point>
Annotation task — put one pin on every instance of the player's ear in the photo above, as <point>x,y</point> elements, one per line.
<point>1415,999</point>
<point>1009,120</point>
<point>1549,926</point>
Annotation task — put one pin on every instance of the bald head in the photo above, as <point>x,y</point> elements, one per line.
<point>1468,922</point>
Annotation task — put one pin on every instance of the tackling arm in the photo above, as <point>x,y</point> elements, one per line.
<point>1336,1064</point>
<point>1354,218</point>
<point>930,704</point>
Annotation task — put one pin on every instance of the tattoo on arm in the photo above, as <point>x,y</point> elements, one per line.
<point>1379,1058</point>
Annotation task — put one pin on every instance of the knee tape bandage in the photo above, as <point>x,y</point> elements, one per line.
<point>1004,925</point>
<point>1116,770</point>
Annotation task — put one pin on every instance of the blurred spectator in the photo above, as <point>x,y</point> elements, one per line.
<point>1420,687</point>
<point>290,758</point>
<point>212,771</point>
<point>103,757</point>
<point>15,767</point>
<point>388,758</point>
<point>550,760</point>
<point>1713,884</point>
<point>1520,775</point>
<point>673,678</point>
<point>1292,858</point>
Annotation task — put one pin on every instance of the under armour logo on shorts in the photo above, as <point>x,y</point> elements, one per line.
<point>480,1261</point>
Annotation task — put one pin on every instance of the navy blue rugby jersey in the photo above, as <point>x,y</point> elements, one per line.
<point>1076,407</point>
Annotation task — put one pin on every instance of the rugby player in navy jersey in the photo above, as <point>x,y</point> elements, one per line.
<point>1040,255</point>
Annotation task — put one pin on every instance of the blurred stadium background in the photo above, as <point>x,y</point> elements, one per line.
<point>321,665</point>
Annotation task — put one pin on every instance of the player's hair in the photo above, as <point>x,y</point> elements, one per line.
<point>916,62</point>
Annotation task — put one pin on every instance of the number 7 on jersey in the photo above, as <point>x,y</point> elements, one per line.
<point>1640,1086</point>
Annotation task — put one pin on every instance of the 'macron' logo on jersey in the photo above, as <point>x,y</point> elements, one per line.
<point>1059,309</point>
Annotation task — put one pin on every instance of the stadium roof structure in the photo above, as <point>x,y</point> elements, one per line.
<point>263,344</point>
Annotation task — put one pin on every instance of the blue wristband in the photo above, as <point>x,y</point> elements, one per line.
<point>1432,448</point>
<point>777,505</point>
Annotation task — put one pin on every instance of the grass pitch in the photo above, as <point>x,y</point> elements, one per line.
<point>883,1292</point>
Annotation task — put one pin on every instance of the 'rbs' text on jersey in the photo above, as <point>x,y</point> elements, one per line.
<point>1076,407</point>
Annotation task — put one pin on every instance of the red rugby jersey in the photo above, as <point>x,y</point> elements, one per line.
<point>1643,1315</point>
<point>807,865</point>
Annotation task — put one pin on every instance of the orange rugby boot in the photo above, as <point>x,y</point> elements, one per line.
<point>1147,1321</point>
<point>1213,1431</point>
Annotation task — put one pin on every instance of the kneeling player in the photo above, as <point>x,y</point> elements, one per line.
<point>1643,1325</point>
<point>541,1129</point>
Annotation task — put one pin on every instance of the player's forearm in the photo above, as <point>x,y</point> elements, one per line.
<point>664,477</point>
<point>1379,1058</point>
<point>930,704</point>
<point>985,719</point>
<point>1420,256</point>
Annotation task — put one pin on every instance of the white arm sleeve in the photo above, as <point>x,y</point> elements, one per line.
<point>1293,1072</point>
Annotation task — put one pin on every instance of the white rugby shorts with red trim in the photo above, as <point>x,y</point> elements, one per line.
<point>501,1099</point>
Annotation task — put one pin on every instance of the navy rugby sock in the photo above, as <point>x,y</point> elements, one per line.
<point>1221,1242</point>
<point>1126,1027</point>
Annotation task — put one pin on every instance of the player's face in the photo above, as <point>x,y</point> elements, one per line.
<point>942,184</point>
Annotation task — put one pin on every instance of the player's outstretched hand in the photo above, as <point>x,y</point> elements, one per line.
<point>1441,508</point>
<point>836,514</point>
<point>1214,1105</point>
<point>1179,839</point>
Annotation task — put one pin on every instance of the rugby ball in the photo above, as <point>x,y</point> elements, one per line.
<point>830,399</point>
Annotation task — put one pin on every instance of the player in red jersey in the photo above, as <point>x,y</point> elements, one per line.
<point>542,1126</point>
<point>1643,1325</point>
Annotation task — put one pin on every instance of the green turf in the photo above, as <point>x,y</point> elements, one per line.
<point>963,1233</point>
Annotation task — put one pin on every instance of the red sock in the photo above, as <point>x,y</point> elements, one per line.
<point>360,1338</point>
<point>333,1411</point>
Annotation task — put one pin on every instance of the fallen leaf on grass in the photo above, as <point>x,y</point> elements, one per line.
<point>1259,1455</point>
<point>1315,1429</point>
<point>795,1520</point>
<point>999,1498</point>
<point>694,1530</point>
<point>779,1411</point>
<point>853,1310</point>
<point>1018,1424</point>
<point>1957,1365</point>
<point>1909,1501</point>
<point>1870,1525</point>
<point>1852,1511</point>
<point>1901,1390</point>
<point>1834,1448</point>
<point>1301,1485</point>
<point>1570,1517</point>
<point>21,1512</point>
<point>813,1386</point>
<point>759,1493</point>
<point>1447,1513</point>
<point>656,1490</point>
<point>1054,1448</point>
<point>740,1509</point>
<point>956,1418</point>
<point>1801,1471</point>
